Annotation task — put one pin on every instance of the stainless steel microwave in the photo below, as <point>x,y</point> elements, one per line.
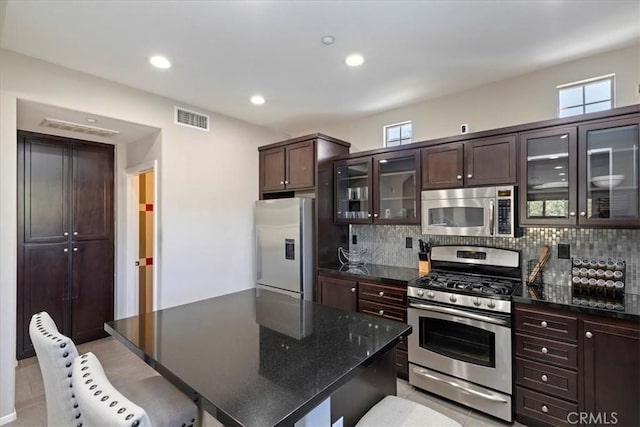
<point>481,211</point>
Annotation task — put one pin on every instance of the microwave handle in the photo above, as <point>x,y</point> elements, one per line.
<point>492,222</point>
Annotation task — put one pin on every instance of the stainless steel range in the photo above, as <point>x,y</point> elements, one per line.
<point>461,317</point>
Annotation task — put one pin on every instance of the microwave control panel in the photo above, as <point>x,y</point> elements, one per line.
<point>504,216</point>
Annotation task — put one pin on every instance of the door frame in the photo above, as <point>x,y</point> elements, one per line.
<point>131,288</point>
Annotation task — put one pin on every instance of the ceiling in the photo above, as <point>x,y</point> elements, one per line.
<point>223,52</point>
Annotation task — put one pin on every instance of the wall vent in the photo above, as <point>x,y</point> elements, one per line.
<point>77,127</point>
<point>191,119</point>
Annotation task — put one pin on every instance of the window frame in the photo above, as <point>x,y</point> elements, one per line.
<point>582,84</point>
<point>398,125</point>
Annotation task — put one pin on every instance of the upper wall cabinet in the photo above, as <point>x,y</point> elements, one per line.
<point>380,189</point>
<point>297,164</point>
<point>288,167</point>
<point>487,161</point>
<point>585,175</point>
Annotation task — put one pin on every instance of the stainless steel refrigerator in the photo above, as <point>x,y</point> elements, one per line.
<point>284,246</point>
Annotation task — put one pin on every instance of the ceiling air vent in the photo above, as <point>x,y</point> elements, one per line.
<point>77,127</point>
<point>191,119</point>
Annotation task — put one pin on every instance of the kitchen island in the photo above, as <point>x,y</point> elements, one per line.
<point>258,358</point>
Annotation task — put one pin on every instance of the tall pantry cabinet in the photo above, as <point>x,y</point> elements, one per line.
<point>65,236</point>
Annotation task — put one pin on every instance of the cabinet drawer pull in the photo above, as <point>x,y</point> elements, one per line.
<point>381,293</point>
<point>544,378</point>
<point>381,312</point>
<point>545,409</point>
<point>353,289</point>
<point>544,350</point>
<point>543,324</point>
<point>588,334</point>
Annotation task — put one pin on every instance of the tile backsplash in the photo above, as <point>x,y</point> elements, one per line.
<point>386,246</point>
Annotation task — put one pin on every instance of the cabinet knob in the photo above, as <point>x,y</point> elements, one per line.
<point>339,212</point>
<point>583,214</point>
<point>545,409</point>
<point>65,250</point>
<point>286,182</point>
<point>544,378</point>
<point>543,324</point>
<point>75,233</point>
<point>572,214</point>
<point>353,289</point>
<point>588,334</point>
<point>368,215</point>
<point>75,249</point>
<point>381,312</point>
<point>281,182</point>
<point>459,177</point>
<point>469,176</point>
<point>65,234</point>
<point>544,350</point>
<point>381,293</point>
<point>375,215</point>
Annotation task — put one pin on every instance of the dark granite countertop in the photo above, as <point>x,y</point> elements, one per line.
<point>563,297</point>
<point>388,273</point>
<point>255,357</point>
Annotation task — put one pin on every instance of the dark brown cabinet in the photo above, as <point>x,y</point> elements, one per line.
<point>611,352</point>
<point>389,301</point>
<point>65,236</point>
<point>487,161</point>
<point>581,176</point>
<point>382,189</point>
<point>338,293</point>
<point>289,167</point>
<point>568,362</point>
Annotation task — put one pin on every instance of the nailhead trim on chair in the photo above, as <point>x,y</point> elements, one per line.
<point>49,331</point>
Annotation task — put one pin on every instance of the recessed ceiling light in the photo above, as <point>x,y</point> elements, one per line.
<point>554,157</point>
<point>561,174</point>
<point>159,61</point>
<point>564,136</point>
<point>91,120</point>
<point>327,40</point>
<point>354,60</point>
<point>257,100</point>
<point>558,167</point>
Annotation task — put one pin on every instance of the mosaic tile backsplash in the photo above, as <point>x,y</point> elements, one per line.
<point>386,245</point>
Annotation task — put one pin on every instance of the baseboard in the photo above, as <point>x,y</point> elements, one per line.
<point>8,418</point>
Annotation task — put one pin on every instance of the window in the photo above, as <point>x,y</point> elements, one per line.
<point>586,96</point>
<point>397,134</point>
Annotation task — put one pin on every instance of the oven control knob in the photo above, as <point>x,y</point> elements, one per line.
<point>544,350</point>
<point>477,302</point>
<point>544,378</point>
<point>431,294</point>
<point>420,293</point>
<point>545,409</point>
<point>453,298</point>
<point>491,304</point>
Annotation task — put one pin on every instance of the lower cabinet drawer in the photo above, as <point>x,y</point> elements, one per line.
<point>547,379</point>
<point>545,409</point>
<point>402,364</point>
<point>546,350</point>
<point>388,312</point>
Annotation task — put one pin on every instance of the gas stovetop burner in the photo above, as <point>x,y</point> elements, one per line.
<point>467,283</point>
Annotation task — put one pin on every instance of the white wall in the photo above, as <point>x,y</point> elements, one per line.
<point>208,184</point>
<point>527,98</point>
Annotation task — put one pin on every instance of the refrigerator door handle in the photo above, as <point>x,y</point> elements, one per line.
<point>258,262</point>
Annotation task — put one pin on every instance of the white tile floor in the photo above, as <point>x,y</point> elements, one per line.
<point>122,366</point>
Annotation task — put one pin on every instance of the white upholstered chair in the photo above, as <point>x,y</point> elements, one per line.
<point>393,411</point>
<point>150,402</point>
<point>55,355</point>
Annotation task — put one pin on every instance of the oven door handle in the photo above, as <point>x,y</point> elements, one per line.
<point>461,313</point>
<point>459,387</point>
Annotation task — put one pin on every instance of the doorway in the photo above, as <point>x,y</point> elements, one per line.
<point>142,242</point>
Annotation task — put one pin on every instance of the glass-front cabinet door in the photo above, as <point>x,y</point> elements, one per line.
<point>397,188</point>
<point>548,177</point>
<point>608,169</point>
<point>353,191</point>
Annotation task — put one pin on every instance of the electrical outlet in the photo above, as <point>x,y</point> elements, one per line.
<point>408,243</point>
<point>354,239</point>
<point>564,250</point>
